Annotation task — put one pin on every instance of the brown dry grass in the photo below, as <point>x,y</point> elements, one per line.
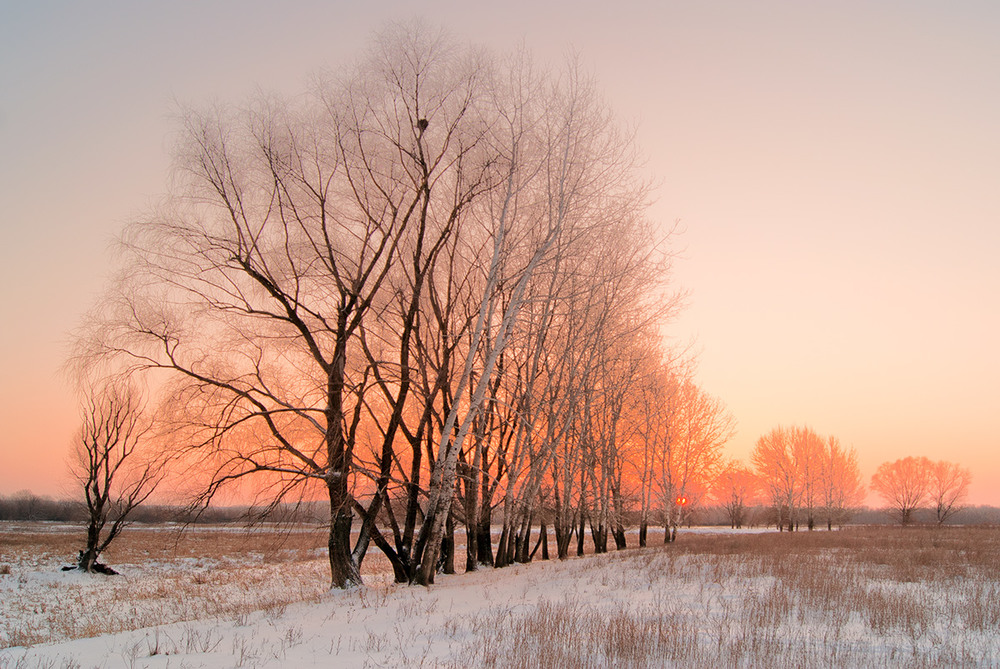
<point>50,543</point>
<point>865,597</point>
<point>168,575</point>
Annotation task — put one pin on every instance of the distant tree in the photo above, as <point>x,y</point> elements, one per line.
<point>949,487</point>
<point>696,426</point>
<point>803,472</point>
<point>24,505</point>
<point>904,484</point>
<point>112,464</point>
<point>840,481</point>
<point>735,489</point>
<point>807,447</point>
<point>773,458</point>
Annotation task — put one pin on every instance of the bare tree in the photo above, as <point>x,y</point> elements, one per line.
<point>701,427</point>
<point>647,413</point>
<point>773,458</point>
<point>789,462</point>
<point>840,481</point>
<point>735,488</point>
<point>808,452</point>
<point>903,484</point>
<point>114,465</point>
<point>949,486</point>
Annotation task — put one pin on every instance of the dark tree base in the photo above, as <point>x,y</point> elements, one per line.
<point>98,568</point>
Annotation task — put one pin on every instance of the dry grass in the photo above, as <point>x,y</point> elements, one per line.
<point>167,576</point>
<point>58,543</point>
<point>861,597</point>
<point>885,597</point>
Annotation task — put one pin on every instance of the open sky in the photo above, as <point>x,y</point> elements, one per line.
<point>835,167</point>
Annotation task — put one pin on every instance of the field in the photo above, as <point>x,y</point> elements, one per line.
<point>219,597</point>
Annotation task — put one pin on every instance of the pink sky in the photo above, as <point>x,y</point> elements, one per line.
<point>836,169</point>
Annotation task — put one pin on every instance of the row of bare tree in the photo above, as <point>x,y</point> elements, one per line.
<point>806,478</point>
<point>426,289</point>
<point>910,483</point>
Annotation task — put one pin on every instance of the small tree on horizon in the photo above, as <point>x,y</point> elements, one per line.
<point>112,464</point>
<point>840,481</point>
<point>736,489</point>
<point>903,484</point>
<point>949,487</point>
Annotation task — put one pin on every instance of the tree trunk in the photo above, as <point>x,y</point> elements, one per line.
<point>600,537</point>
<point>446,563</point>
<point>88,556</point>
<point>564,535</point>
<point>344,573</point>
<point>619,532</point>
<point>501,557</point>
<point>87,560</point>
<point>643,529</point>
<point>518,551</point>
<point>471,523</point>
<point>472,513</point>
<point>484,538</point>
<point>543,541</point>
<point>471,546</point>
<point>523,543</point>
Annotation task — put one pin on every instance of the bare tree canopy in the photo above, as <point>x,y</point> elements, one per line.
<point>735,489</point>
<point>804,474</point>
<point>906,484</point>
<point>949,487</point>
<point>385,291</point>
<point>903,484</point>
<point>114,463</point>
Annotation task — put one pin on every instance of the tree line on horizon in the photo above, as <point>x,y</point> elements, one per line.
<point>427,291</point>
<point>805,479</point>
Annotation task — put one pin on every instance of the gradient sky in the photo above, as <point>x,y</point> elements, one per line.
<point>835,166</point>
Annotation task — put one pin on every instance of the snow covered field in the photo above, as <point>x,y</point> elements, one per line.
<point>858,597</point>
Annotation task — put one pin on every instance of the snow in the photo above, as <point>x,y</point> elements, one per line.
<point>659,606</point>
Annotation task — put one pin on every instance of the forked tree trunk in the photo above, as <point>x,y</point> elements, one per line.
<point>620,541</point>
<point>88,556</point>
<point>563,537</point>
<point>600,537</point>
<point>543,541</point>
<point>518,550</point>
